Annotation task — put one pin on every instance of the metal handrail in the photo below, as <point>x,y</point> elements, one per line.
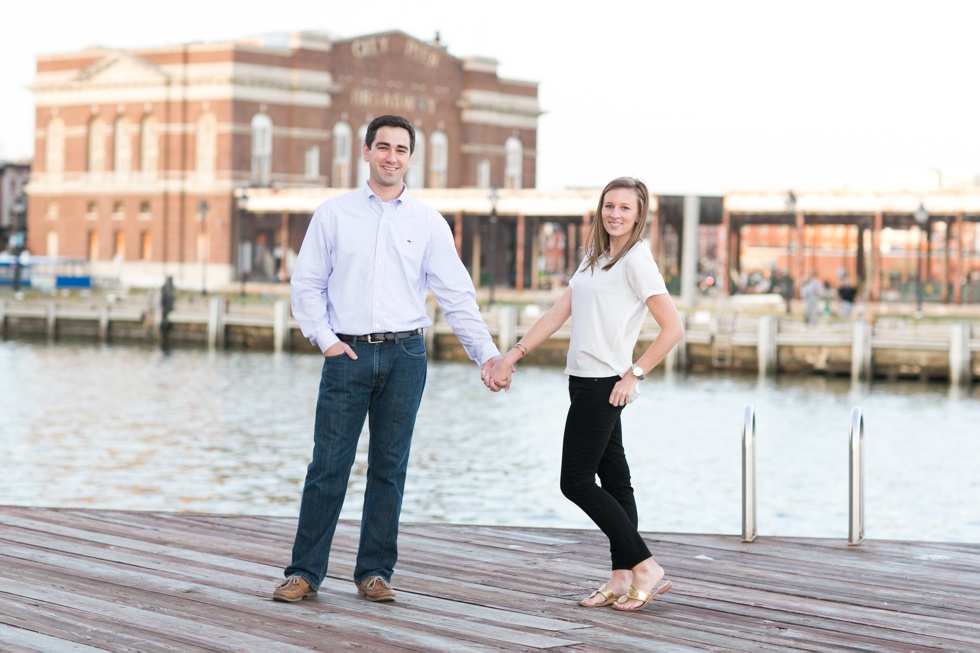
<point>856,485</point>
<point>748,475</point>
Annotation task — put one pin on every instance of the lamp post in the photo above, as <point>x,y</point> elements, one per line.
<point>18,209</point>
<point>203,208</point>
<point>494,196</point>
<point>788,283</point>
<point>921,217</point>
<point>244,249</point>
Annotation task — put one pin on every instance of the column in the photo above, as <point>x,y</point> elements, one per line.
<point>958,267</point>
<point>724,233</point>
<point>519,253</point>
<point>283,274</point>
<point>584,230</point>
<point>458,233</point>
<point>689,254</point>
<point>799,260</point>
<point>876,258</point>
<point>947,262</point>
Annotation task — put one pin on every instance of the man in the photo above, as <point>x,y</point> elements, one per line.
<point>359,289</point>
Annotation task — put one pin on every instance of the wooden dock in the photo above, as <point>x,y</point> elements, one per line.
<point>93,580</point>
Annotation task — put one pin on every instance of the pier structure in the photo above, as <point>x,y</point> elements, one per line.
<point>744,335</point>
<point>928,242</point>
<point>96,580</point>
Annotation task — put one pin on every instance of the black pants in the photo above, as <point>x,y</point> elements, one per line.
<point>593,445</point>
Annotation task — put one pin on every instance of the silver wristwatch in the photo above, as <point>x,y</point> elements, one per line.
<point>637,372</point>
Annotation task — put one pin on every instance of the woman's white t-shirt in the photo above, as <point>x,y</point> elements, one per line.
<point>608,310</point>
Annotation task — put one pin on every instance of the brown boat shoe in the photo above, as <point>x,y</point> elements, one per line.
<point>376,588</point>
<point>294,588</point>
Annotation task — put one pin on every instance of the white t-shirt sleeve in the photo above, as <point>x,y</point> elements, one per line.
<point>643,275</point>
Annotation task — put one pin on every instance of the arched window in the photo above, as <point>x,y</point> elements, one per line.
<point>122,148</point>
<point>513,172</point>
<point>261,149</point>
<point>363,167</point>
<point>207,146</point>
<point>96,148</point>
<point>415,178</point>
<point>438,160</point>
<point>93,245</point>
<point>54,149</point>
<point>119,245</point>
<point>342,136</point>
<point>483,174</point>
<point>149,151</point>
<point>311,162</point>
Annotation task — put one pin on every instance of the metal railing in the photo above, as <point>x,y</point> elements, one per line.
<point>748,475</point>
<point>856,484</point>
<point>856,477</point>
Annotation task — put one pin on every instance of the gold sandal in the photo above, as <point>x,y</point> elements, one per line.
<point>607,593</point>
<point>639,595</point>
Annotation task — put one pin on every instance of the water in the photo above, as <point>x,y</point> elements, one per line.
<point>136,429</point>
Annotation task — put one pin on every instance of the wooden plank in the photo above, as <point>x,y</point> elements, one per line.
<point>20,640</point>
<point>158,581</point>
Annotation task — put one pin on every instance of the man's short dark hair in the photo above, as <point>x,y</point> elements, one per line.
<point>390,121</point>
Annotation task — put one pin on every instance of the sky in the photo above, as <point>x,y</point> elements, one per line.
<point>691,96</point>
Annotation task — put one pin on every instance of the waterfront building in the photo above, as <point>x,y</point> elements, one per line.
<point>13,209</point>
<point>143,157</point>
<point>204,162</point>
<point>892,245</point>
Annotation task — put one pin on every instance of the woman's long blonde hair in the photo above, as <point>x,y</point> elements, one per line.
<point>599,239</point>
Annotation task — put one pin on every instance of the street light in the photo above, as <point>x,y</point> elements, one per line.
<point>494,196</point>
<point>203,208</point>
<point>921,217</point>
<point>788,283</point>
<point>18,210</point>
<point>244,248</point>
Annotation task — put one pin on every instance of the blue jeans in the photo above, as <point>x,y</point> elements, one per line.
<point>593,445</point>
<point>385,385</point>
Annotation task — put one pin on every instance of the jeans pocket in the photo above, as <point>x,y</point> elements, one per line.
<point>413,346</point>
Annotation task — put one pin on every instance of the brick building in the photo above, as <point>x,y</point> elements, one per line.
<point>141,154</point>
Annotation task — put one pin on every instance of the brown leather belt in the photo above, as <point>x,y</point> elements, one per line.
<point>375,338</point>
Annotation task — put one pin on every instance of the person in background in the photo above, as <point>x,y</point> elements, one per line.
<point>359,289</point>
<point>810,294</point>
<point>847,293</point>
<point>607,300</point>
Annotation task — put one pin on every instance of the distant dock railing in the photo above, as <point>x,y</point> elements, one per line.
<point>740,342</point>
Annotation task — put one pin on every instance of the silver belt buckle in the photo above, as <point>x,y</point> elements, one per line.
<point>372,341</point>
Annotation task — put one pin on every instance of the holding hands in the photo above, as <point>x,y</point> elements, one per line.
<point>496,373</point>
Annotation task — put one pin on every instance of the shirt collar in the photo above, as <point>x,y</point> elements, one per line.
<point>371,195</point>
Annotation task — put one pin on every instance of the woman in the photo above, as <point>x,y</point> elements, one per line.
<point>607,299</point>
